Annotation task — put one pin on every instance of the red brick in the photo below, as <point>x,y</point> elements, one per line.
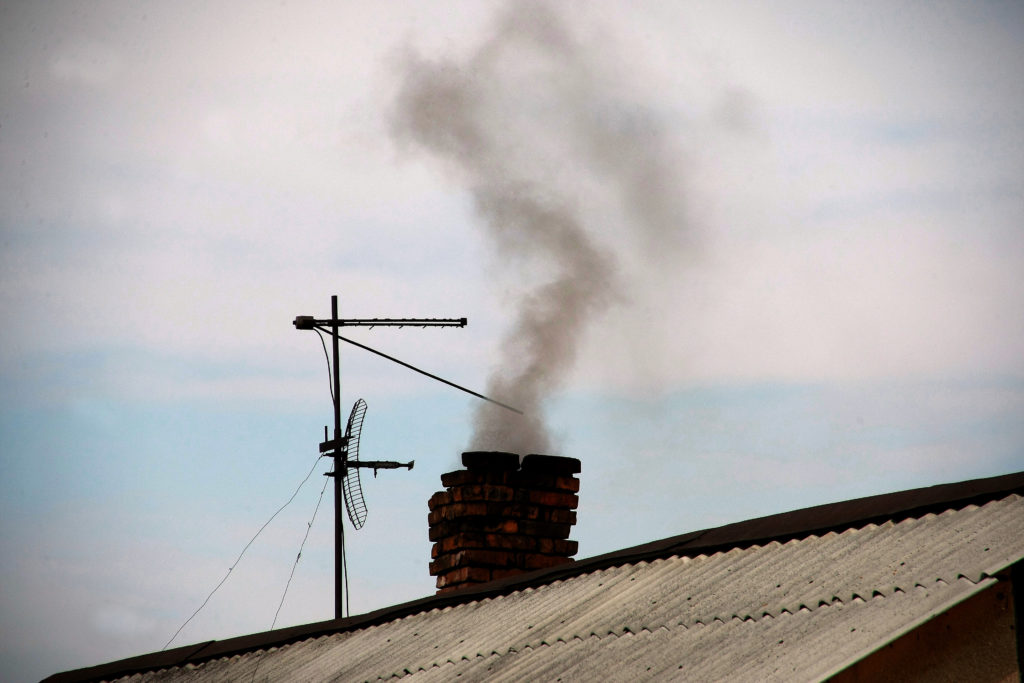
<point>512,542</point>
<point>546,482</point>
<point>444,587</point>
<point>485,558</point>
<point>553,499</point>
<point>504,510</point>
<point>479,558</point>
<point>444,563</point>
<point>459,478</point>
<point>488,541</point>
<point>571,484</point>
<point>556,546</point>
<point>532,512</point>
<point>513,510</point>
<point>544,529</point>
<point>477,492</point>
<point>464,540</point>
<point>505,526</point>
<point>438,531</point>
<point>561,516</point>
<point>468,477</point>
<point>457,511</point>
<point>439,498</point>
<point>462,574</point>
<point>497,541</point>
<point>475,524</point>
<point>534,561</point>
<point>453,543</point>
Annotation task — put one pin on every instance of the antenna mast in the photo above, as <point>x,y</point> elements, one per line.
<point>338,446</point>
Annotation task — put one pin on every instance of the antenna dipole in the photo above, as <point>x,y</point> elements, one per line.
<point>338,446</point>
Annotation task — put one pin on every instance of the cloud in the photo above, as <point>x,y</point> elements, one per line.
<point>201,191</point>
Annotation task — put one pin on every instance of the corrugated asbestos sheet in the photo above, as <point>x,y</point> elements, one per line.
<point>798,610</point>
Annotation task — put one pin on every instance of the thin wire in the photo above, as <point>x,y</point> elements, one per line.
<point>330,382</point>
<point>239,558</point>
<point>344,572</point>
<point>422,372</point>
<point>309,527</point>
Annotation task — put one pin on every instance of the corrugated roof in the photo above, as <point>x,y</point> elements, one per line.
<point>794,606</point>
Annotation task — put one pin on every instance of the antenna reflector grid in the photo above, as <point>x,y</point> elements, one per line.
<point>355,504</point>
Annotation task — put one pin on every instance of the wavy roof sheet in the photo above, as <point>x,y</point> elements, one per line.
<point>791,608</point>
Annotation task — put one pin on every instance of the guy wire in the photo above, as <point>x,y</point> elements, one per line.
<point>239,558</point>
<point>309,527</point>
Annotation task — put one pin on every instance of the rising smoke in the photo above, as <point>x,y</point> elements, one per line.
<point>535,123</point>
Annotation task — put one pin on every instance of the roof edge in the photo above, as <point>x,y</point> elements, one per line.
<point>824,518</point>
<point>937,610</point>
<point>778,527</point>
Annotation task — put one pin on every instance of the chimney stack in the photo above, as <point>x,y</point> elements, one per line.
<point>497,519</point>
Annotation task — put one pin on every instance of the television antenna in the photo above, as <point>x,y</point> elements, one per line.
<point>344,447</point>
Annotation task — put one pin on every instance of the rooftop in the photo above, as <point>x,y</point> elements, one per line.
<point>801,594</point>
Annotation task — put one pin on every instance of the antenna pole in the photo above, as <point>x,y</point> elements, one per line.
<point>338,446</point>
<point>339,472</point>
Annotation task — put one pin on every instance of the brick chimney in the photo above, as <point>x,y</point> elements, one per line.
<point>497,519</point>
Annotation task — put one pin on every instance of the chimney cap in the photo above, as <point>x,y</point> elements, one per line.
<point>490,460</point>
<point>551,464</point>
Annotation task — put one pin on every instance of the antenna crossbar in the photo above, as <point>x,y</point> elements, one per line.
<point>308,322</point>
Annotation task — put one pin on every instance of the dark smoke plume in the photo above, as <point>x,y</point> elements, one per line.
<point>533,124</point>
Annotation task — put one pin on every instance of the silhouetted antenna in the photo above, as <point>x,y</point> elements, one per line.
<point>355,504</point>
<point>344,448</point>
